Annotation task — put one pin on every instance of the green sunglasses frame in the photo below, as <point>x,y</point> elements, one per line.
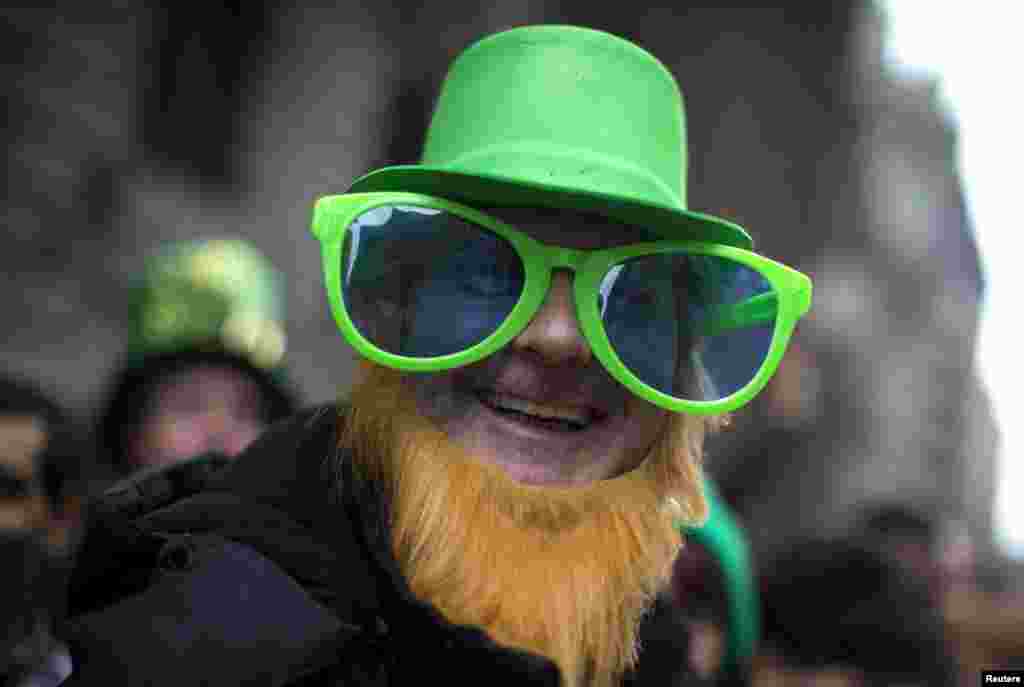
<point>789,300</point>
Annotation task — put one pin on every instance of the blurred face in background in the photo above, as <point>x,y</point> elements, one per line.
<point>698,588</point>
<point>201,410</point>
<point>32,535</point>
<point>22,439</point>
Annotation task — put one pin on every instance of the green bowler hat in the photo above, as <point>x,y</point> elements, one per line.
<point>563,117</point>
<point>211,294</point>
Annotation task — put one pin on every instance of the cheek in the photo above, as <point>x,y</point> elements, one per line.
<point>446,398</point>
<point>643,425</point>
<point>175,434</point>
<point>242,434</point>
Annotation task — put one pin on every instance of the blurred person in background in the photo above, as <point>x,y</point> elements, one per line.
<point>713,585</point>
<point>44,467</point>
<point>985,624</point>
<point>838,614</point>
<point>912,540</point>
<point>703,629</point>
<point>698,596</point>
<point>545,333</point>
<point>665,647</point>
<point>987,628</point>
<point>203,370</point>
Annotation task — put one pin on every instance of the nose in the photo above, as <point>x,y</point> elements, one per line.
<point>219,415</point>
<point>224,431</point>
<point>554,333</point>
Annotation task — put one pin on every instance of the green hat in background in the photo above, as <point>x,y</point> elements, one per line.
<point>723,536</point>
<point>217,294</point>
<point>563,117</point>
<point>215,301</point>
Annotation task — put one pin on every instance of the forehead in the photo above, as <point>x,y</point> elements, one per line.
<point>205,386</point>
<point>571,228</point>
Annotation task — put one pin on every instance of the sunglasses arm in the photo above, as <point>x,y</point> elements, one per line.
<point>759,310</point>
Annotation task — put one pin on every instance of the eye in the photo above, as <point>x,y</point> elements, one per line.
<point>487,275</point>
<point>642,298</point>
<point>486,282</point>
<point>635,297</point>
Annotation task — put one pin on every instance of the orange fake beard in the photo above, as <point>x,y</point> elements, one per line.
<point>563,572</point>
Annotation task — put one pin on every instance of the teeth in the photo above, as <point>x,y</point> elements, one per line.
<point>576,416</point>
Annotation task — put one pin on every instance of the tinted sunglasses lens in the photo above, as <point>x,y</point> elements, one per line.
<point>695,327</point>
<point>421,282</point>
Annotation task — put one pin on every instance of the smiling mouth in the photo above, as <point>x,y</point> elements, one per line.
<point>546,416</point>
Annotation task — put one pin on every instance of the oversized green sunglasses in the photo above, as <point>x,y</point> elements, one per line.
<point>423,284</point>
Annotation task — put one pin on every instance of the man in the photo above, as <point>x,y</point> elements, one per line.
<point>545,335</point>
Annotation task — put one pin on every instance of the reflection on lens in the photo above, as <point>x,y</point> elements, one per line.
<point>694,327</point>
<point>422,283</point>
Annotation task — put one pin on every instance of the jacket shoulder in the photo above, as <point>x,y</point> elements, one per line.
<point>214,612</point>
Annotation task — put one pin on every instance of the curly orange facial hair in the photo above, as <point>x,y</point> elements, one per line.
<point>565,572</point>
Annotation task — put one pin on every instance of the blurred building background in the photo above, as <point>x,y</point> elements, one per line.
<point>131,124</point>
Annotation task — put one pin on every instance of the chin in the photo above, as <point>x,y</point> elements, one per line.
<point>539,475</point>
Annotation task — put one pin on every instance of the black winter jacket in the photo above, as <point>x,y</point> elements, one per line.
<point>255,574</point>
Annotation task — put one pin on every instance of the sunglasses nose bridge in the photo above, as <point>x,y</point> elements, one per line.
<point>565,258</point>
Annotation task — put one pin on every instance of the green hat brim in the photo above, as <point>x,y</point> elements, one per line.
<point>494,190</point>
